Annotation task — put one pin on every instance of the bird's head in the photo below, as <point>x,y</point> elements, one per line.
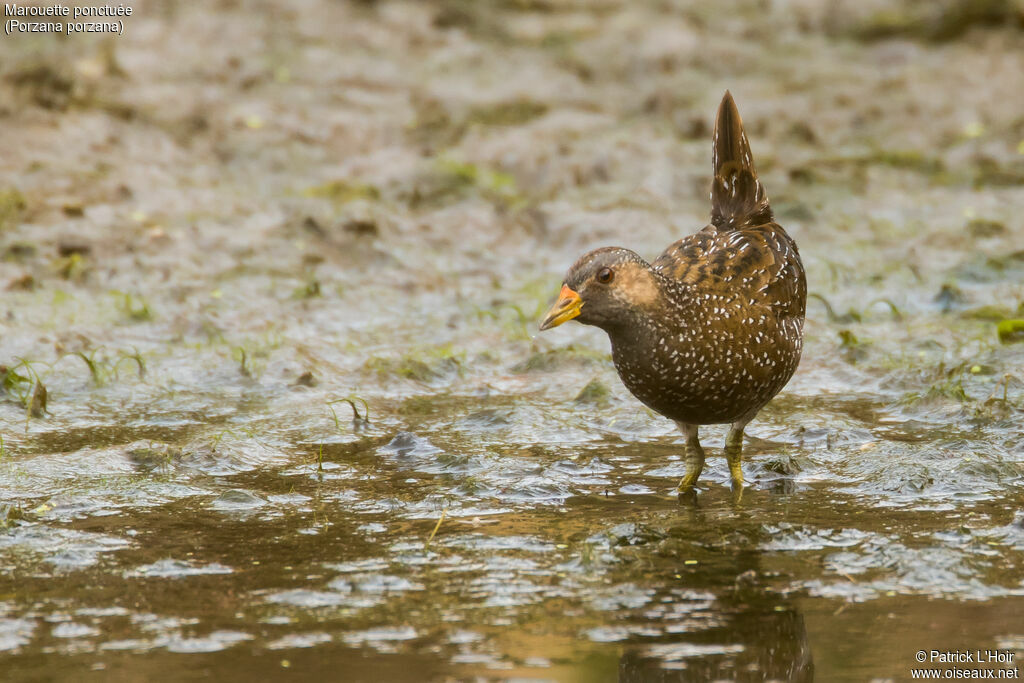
<point>606,288</point>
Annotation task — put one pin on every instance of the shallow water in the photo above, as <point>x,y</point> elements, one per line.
<point>375,202</point>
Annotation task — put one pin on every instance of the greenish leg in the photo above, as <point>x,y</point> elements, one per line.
<point>734,452</point>
<point>694,456</point>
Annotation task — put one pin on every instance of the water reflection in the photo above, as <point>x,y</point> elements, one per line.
<point>755,637</point>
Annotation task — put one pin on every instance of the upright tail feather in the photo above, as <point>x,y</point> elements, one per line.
<point>737,198</point>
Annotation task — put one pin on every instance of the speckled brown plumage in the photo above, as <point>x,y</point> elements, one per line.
<point>712,329</point>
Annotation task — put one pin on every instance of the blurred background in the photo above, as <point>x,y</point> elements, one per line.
<point>273,397</point>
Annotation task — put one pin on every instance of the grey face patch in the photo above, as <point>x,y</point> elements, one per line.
<point>611,304</point>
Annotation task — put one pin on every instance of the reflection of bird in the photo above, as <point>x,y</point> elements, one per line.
<point>712,329</point>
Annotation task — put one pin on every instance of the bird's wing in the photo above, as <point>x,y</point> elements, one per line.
<point>759,264</point>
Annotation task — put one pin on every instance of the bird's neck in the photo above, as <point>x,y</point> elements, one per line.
<point>646,325</point>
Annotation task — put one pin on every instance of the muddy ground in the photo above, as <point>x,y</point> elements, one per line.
<point>279,269</point>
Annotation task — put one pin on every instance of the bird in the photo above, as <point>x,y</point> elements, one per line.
<point>712,329</point>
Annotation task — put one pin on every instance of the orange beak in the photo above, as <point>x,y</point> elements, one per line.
<point>567,308</point>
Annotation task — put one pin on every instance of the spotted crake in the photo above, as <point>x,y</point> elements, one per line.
<point>712,329</point>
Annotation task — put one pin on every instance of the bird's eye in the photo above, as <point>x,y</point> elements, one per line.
<point>605,275</point>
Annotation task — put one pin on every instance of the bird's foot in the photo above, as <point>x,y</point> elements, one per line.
<point>688,480</point>
<point>694,466</point>
<point>736,474</point>
<point>694,457</point>
<point>734,456</point>
<point>737,494</point>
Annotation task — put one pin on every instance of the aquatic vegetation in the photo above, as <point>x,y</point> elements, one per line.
<point>935,22</point>
<point>71,267</point>
<point>982,228</point>
<point>35,406</point>
<point>946,385</point>
<point>451,180</point>
<point>342,192</point>
<point>438,126</point>
<point>854,349</point>
<point>851,316</point>
<point>554,359</point>
<point>462,173</point>
<point>951,388</point>
<point>991,173</point>
<point>12,205</point>
<point>234,433</point>
<point>357,419</point>
<point>595,392</point>
<point>420,407</point>
<point>103,365</point>
<point>154,456</point>
<point>246,359</point>
<point>136,356</point>
<point>980,267</point>
<point>854,166</point>
<point>134,306</point>
<point>998,405</point>
<point>949,297</point>
<point>440,520</point>
<point>309,290</point>
<point>1010,331</point>
<point>420,365</point>
<point>10,515</point>
<point>518,325</point>
<point>27,389</point>
<point>988,312</point>
<point>19,251</point>
<point>483,19</point>
<point>48,84</point>
<point>11,381</point>
<point>897,314</point>
<point>509,113</point>
<point>96,371</point>
<point>912,160</point>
